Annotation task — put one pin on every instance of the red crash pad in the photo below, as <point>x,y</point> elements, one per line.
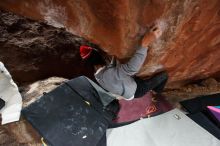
<point>142,107</point>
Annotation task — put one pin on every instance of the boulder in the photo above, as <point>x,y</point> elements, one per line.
<point>188,49</point>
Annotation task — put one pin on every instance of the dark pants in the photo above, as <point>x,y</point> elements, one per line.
<point>156,83</point>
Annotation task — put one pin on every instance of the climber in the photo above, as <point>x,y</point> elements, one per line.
<point>120,79</point>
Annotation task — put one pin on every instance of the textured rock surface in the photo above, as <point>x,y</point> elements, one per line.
<point>32,51</point>
<point>189,49</point>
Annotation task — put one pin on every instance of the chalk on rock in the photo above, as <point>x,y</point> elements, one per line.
<point>10,94</point>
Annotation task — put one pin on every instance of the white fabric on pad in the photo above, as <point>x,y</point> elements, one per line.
<point>173,128</point>
<point>10,94</point>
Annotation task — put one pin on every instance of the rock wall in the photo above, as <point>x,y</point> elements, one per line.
<point>189,48</point>
<point>33,50</point>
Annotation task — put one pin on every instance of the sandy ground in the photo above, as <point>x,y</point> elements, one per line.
<point>204,87</point>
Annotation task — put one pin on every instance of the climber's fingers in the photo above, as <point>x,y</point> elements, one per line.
<point>153,28</point>
<point>157,31</point>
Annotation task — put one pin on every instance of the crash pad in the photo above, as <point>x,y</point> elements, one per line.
<point>2,103</point>
<point>63,118</point>
<point>142,107</point>
<point>215,111</point>
<point>201,119</point>
<point>11,98</point>
<point>95,95</point>
<point>200,103</point>
<point>173,128</point>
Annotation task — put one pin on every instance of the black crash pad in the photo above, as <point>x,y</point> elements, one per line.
<point>199,104</point>
<point>96,96</point>
<point>63,118</point>
<point>197,108</point>
<point>201,119</point>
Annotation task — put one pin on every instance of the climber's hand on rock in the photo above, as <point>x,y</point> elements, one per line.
<point>155,33</point>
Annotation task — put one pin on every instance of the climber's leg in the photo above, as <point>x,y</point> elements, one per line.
<point>156,83</point>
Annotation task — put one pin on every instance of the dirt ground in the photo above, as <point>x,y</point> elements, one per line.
<point>204,87</point>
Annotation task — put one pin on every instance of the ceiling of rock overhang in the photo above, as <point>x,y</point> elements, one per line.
<point>189,48</point>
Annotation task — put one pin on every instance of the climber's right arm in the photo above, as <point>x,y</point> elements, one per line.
<point>135,63</point>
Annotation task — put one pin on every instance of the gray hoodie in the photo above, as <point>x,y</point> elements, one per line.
<point>118,79</point>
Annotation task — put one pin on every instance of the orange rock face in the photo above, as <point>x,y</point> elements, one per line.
<point>189,48</point>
